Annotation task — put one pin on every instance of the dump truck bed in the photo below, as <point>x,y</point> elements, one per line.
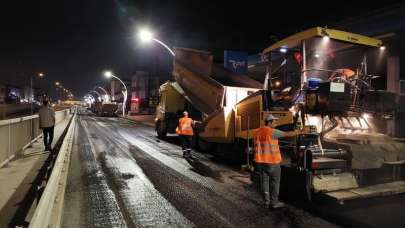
<point>205,84</point>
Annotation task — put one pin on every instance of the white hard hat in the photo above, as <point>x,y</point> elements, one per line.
<point>185,113</point>
<point>271,117</point>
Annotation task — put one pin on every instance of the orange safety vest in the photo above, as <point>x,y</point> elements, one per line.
<point>185,126</point>
<point>266,148</point>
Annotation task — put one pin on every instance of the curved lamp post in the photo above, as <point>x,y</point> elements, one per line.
<point>109,74</point>
<point>147,36</point>
<point>98,94</point>
<point>107,95</point>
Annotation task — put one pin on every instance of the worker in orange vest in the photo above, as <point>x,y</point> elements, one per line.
<point>185,131</point>
<point>268,159</point>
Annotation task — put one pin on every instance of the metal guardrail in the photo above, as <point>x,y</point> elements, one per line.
<point>49,210</point>
<point>18,133</point>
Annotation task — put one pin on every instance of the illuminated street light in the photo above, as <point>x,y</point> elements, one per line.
<point>147,36</point>
<point>40,74</point>
<point>57,83</point>
<point>109,74</point>
<point>283,50</point>
<point>107,95</point>
<point>382,48</point>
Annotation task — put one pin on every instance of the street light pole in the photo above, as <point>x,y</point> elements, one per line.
<point>32,95</point>
<point>109,74</point>
<point>98,94</point>
<point>31,99</point>
<point>147,36</point>
<point>106,93</point>
<point>164,45</point>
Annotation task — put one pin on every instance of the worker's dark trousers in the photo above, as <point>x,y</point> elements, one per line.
<point>270,181</point>
<point>48,136</point>
<point>186,142</point>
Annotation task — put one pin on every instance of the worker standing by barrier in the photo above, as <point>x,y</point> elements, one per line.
<point>268,159</point>
<point>185,131</point>
<point>47,124</point>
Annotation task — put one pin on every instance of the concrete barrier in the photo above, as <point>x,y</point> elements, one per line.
<point>48,213</point>
<point>18,133</point>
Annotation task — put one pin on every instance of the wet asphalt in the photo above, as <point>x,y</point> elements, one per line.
<point>121,175</point>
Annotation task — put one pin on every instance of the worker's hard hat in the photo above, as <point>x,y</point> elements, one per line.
<point>185,113</point>
<point>271,117</point>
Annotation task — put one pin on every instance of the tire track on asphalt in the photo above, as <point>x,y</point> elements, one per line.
<point>104,210</point>
<point>252,211</point>
<point>146,206</point>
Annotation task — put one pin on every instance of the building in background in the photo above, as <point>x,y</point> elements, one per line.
<point>144,92</point>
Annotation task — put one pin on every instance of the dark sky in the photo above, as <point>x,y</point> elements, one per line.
<point>73,41</point>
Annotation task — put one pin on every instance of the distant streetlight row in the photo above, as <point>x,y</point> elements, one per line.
<point>145,36</point>
<point>109,74</point>
<point>68,93</point>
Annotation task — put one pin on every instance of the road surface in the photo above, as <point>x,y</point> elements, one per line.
<point>123,176</point>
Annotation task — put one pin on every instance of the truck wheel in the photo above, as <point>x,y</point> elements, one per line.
<point>161,129</point>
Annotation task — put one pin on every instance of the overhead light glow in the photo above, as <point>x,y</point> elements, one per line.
<point>382,48</point>
<point>108,74</point>
<point>326,38</point>
<point>317,55</point>
<point>145,35</point>
<point>283,50</point>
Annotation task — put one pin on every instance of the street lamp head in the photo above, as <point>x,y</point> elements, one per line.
<point>40,74</point>
<point>145,35</point>
<point>108,74</point>
<point>57,83</point>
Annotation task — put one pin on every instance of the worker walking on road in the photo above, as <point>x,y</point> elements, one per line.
<point>268,159</point>
<point>47,124</point>
<point>185,131</point>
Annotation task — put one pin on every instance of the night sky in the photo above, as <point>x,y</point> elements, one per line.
<point>73,41</point>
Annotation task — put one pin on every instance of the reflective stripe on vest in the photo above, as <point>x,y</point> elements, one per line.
<point>266,148</point>
<point>185,126</point>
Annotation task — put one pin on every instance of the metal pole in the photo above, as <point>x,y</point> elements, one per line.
<point>304,64</point>
<point>9,139</point>
<point>248,144</point>
<point>32,109</point>
<point>164,45</point>
<point>106,93</point>
<point>125,96</point>
<point>31,96</point>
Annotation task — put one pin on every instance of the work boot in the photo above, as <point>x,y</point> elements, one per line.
<point>188,152</point>
<point>276,205</point>
<point>184,153</point>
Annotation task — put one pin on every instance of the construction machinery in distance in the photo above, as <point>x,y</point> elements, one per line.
<point>102,108</point>
<point>320,78</point>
